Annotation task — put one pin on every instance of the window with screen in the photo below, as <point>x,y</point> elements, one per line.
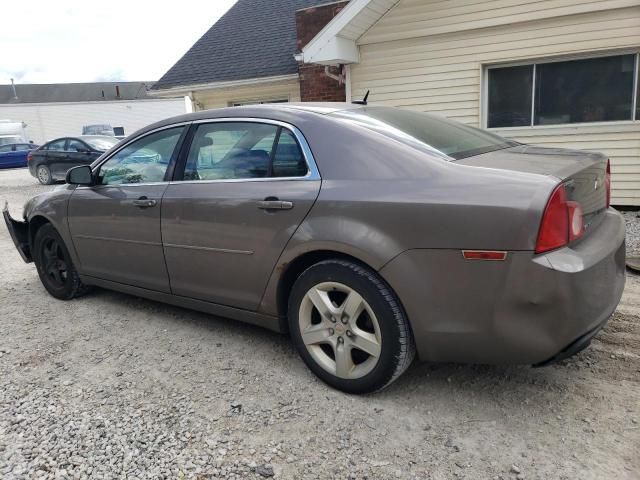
<point>602,89</point>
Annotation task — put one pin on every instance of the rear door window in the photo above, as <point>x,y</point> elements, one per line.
<point>76,146</point>
<point>243,150</point>
<point>57,145</point>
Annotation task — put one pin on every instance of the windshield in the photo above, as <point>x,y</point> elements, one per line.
<point>431,133</point>
<point>101,144</point>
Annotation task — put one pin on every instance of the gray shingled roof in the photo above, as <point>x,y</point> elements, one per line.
<point>73,92</point>
<point>255,38</point>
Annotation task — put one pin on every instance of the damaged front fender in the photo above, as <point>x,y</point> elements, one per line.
<point>19,232</point>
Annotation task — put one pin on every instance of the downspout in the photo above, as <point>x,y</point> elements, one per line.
<point>347,83</point>
<point>13,86</point>
<point>338,78</point>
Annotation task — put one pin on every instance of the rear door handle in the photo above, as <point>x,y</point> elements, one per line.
<point>144,203</point>
<point>275,205</point>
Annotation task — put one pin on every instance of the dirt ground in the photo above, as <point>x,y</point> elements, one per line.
<point>112,386</point>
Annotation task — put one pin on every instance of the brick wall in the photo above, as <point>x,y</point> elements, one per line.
<point>315,86</point>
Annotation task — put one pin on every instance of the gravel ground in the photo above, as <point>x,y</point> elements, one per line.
<point>112,386</point>
<point>633,232</point>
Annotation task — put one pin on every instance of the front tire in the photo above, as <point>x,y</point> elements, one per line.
<point>348,327</point>
<point>43,174</point>
<point>55,268</point>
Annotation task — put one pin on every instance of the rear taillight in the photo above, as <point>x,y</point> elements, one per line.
<point>607,183</point>
<point>562,222</point>
<point>29,156</point>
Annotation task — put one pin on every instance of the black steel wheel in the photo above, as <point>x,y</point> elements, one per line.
<point>55,267</point>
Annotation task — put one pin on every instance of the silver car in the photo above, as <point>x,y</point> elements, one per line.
<point>369,234</point>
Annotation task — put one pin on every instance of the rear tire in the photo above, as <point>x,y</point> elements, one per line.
<point>43,174</point>
<point>348,327</point>
<point>55,268</point>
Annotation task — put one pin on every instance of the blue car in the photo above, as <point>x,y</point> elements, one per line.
<point>15,155</point>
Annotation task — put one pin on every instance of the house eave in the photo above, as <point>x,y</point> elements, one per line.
<point>183,90</point>
<point>336,42</point>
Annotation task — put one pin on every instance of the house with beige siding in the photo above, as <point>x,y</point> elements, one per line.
<point>558,73</point>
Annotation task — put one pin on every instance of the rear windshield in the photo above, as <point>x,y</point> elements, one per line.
<point>427,132</point>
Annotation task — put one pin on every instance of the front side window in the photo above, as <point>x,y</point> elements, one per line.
<point>57,146</point>
<point>243,150</point>
<point>143,161</point>
<point>574,91</point>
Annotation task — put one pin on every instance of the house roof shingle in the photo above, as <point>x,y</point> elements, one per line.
<point>254,39</point>
<point>73,92</point>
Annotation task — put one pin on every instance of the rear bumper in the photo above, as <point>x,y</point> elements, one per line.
<point>19,232</point>
<point>530,309</point>
<point>574,347</point>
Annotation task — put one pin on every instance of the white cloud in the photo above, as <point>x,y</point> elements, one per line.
<point>45,41</point>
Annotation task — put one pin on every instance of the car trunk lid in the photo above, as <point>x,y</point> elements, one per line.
<point>583,173</point>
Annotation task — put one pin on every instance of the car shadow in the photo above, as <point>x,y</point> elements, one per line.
<point>522,383</point>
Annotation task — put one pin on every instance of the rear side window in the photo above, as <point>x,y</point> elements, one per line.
<point>288,160</point>
<point>243,150</point>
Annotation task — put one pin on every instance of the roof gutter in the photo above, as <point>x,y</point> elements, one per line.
<point>187,89</point>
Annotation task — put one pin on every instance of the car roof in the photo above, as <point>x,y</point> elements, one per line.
<point>274,111</point>
<point>83,138</point>
<point>95,137</point>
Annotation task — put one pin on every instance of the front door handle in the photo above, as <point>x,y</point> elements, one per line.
<point>275,204</point>
<point>144,202</point>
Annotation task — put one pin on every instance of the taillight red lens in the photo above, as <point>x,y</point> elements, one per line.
<point>562,222</point>
<point>554,229</point>
<point>29,156</point>
<point>607,183</point>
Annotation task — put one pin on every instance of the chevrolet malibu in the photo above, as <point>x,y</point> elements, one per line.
<point>369,234</point>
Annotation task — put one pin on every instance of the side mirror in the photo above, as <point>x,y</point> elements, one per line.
<point>80,175</point>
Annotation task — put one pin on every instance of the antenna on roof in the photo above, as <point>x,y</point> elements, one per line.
<point>363,101</point>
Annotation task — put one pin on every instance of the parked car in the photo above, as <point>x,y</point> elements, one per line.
<point>50,162</point>
<point>14,155</point>
<point>103,129</point>
<point>405,232</point>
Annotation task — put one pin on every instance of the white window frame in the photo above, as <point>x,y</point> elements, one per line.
<point>484,107</point>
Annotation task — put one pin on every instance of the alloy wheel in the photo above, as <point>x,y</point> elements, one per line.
<point>340,330</point>
<point>43,175</point>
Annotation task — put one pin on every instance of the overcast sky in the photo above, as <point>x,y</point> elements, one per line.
<point>50,41</point>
